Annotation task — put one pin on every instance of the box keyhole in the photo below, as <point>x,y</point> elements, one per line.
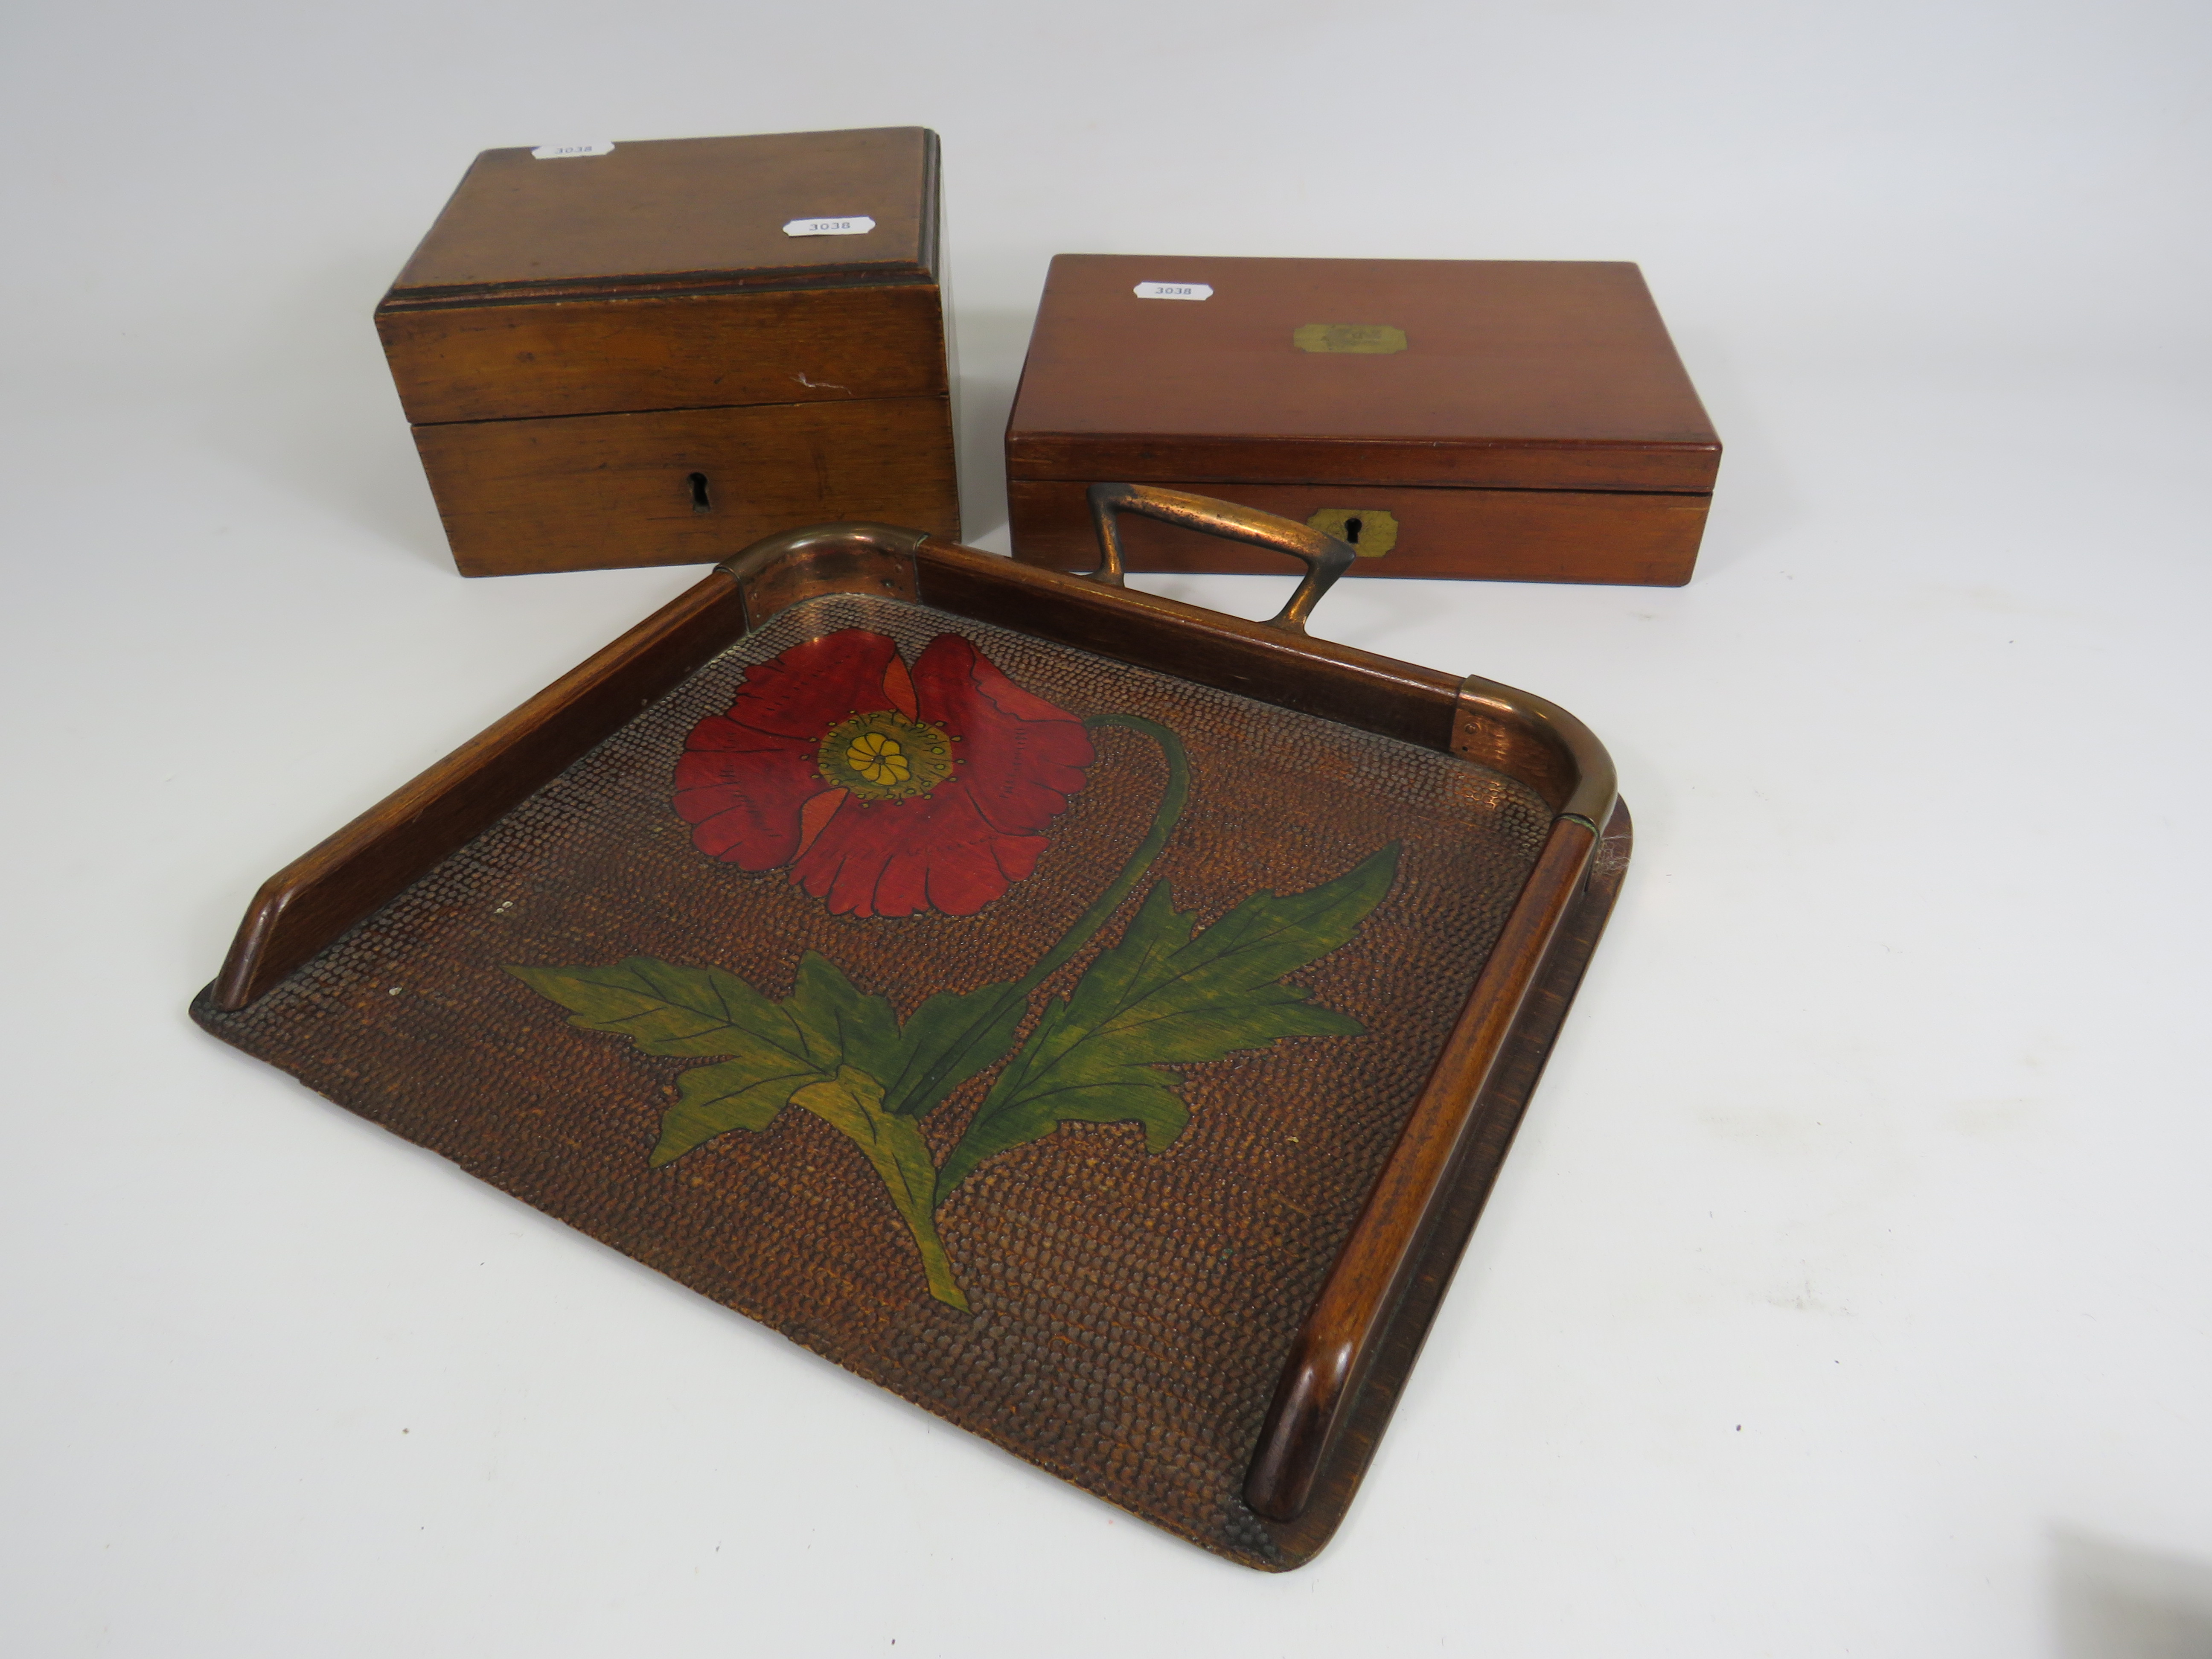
<point>701,500</point>
<point>1351,527</point>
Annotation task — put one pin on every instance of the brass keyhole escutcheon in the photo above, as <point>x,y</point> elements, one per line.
<point>1371,531</point>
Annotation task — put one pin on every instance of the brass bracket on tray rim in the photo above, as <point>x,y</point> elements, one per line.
<point>779,571</point>
<point>1533,738</point>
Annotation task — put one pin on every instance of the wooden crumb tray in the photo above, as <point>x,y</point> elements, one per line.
<point>1095,1018</point>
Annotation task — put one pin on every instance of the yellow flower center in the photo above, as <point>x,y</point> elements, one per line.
<point>878,758</point>
<point>883,755</point>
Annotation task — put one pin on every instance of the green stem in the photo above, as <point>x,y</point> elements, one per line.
<point>942,1285</point>
<point>852,1103</point>
<point>1172,802</point>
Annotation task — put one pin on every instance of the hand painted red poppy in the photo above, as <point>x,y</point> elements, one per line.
<point>887,791</point>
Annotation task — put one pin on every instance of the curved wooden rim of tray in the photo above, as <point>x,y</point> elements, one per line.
<point>1364,1329</point>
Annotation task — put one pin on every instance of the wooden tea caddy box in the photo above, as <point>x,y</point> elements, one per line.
<point>625,358</point>
<point>1510,420</point>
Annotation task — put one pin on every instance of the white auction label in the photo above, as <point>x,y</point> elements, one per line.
<point>860,225</point>
<point>1174,291</point>
<point>560,152</point>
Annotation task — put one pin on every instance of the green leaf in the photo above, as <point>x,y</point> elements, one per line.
<point>950,1037</point>
<point>1162,996</point>
<point>852,1103</point>
<point>823,1048</point>
<point>666,1009</point>
<point>774,1051</point>
<point>736,1094</point>
<point>841,1025</point>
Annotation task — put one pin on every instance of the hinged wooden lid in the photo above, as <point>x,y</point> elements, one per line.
<point>1529,375</point>
<point>682,215</point>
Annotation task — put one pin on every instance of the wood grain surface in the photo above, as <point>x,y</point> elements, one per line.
<point>1377,694</point>
<point>597,492</point>
<point>1641,538</point>
<point>1348,1326</point>
<point>1427,1271</point>
<point>326,890</point>
<point>624,360</point>
<point>1519,374</point>
<point>695,352</point>
<point>671,210</point>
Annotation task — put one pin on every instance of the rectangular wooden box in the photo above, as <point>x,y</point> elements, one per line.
<point>1511,420</point>
<point>624,359</point>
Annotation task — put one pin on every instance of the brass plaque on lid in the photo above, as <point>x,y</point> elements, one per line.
<point>1371,339</point>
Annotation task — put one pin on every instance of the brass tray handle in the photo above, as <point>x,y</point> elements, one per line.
<point>1325,557</point>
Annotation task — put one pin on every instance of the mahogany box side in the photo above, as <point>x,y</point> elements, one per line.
<point>624,359</point>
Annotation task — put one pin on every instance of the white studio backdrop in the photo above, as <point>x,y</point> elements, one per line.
<point>1850,1290</point>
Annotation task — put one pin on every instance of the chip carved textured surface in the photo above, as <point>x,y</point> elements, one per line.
<point>1131,1312</point>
